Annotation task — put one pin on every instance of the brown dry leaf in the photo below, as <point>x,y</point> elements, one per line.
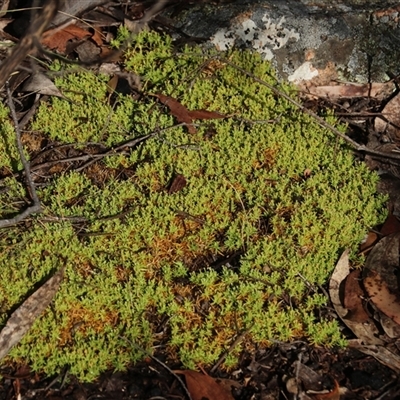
<point>369,242</point>
<point>4,7</point>
<point>228,384</point>
<point>25,315</point>
<point>392,114</point>
<point>380,294</point>
<point>366,331</point>
<point>380,276</point>
<point>112,84</point>
<point>182,114</point>
<point>332,395</point>
<point>203,387</point>
<point>352,298</point>
<point>391,225</point>
<point>56,39</point>
<point>350,90</point>
<point>3,23</point>
<point>204,114</point>
<point>179,111</point>
<point>177,184</point>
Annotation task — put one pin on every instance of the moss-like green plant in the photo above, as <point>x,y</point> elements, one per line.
<point>265,185</point>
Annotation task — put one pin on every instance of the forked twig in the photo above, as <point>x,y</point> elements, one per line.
<point>36,202</point>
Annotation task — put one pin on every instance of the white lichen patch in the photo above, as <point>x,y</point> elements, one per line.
<point>304,73</point>
<point>273,36</point>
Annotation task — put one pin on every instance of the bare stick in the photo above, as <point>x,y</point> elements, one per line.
<point>226,353</point>
<point>150,13</point>
<point>36,202</point>
<point>320,121</point>
<point>29,41</point>
<point>161,363</point>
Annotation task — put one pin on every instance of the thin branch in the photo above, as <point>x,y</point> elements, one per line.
<point>28,42</point>
<point>320,121</point>
<point>91,158</point>
<point>226,353</point>
<point>36,202</point>
<point>147,353</point>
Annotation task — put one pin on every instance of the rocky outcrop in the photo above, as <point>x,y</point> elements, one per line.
<point>307,41</point>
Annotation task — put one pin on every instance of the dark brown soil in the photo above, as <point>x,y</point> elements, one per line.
<point>265,375</point>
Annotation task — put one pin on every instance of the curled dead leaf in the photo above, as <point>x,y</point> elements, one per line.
<point>390,121</point>
<point>381,296</point>
<point>334,394</point>
<point>56,39</point>
<point>352,298</point>
<point>40,83</point>
<point>366,331</point>
<point>380,276</point>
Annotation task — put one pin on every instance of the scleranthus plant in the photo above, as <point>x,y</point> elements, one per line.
<point>271,199</point>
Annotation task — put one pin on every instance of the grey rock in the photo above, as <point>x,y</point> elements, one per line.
<point>307,40</point>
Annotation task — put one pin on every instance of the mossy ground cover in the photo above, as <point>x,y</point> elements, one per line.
<point>265,186</point>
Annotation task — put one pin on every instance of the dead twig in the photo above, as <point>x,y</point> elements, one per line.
<point>320,121</point>
<point>148,354</point>
<point>36,202</point>
<point>226,353</point>
<point>29,41</point>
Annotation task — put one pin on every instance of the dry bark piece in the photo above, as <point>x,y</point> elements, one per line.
<point>71,8</point>
<point>23,318</point>
<point>310,379</point>
<point>391,328</point>
<point>88,51</point>
<point>382,354</point>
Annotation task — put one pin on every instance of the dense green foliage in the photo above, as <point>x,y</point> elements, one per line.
<point>265,183</point>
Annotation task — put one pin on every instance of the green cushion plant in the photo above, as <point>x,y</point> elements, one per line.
<point>265,185</point>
